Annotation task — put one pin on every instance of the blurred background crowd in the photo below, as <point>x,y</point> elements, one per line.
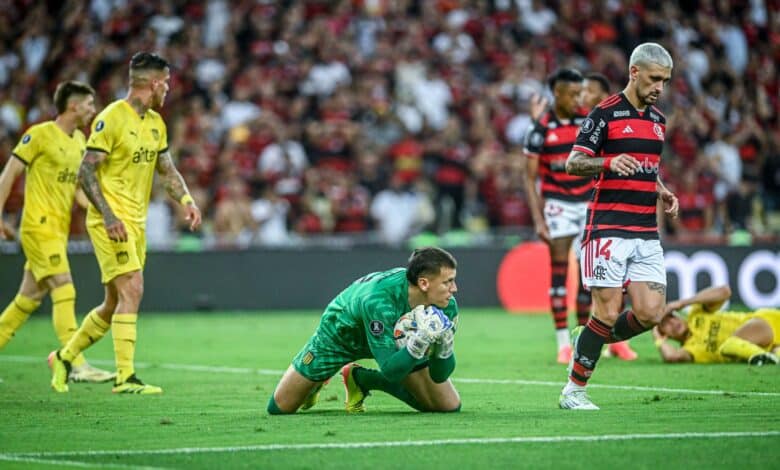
<point>374,121</point>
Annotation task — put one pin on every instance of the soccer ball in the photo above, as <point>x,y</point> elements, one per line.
<point>405,325</point>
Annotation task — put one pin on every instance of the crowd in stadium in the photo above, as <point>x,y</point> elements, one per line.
<point>385,118</point>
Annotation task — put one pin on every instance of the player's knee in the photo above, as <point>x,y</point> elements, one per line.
<point>273,408</point>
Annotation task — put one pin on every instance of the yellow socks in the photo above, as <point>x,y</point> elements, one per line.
<point>63,303</point>
<point>14,316</point>
<point>740,348</point>
<point>123,329</point>
<point>92,329</point>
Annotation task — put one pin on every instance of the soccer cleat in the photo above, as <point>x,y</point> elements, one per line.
<point>576,400</point>
<point>314,396</point>
<point>89,374</point>
<point>761,359</point>
<point>59,372</point>
<point>134,385</point>
<point>564,354</point>
<point>355,395</point>
<point>622,351</point>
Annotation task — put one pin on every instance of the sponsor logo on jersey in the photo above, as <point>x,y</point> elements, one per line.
<point>552,137</point>
<point>628,130</point>
<point>55,260</point>
<point>67,176</point>
<point>648,167</point>
<point>26,139</point>
<point>621,113</point>
<point>376,327</point>
<point>654,116</point>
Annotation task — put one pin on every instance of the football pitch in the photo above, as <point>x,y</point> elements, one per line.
<point>218,370</point>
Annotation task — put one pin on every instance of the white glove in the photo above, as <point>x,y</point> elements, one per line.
<point>433,322</point>
<point>418,343</point>
<point>445,345</point>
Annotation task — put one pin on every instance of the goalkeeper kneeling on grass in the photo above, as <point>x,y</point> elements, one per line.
<point>414,365</point>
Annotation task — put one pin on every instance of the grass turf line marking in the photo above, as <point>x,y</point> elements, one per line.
<point>422,443</point>
<point>66,463</point>
<point>543,383</point>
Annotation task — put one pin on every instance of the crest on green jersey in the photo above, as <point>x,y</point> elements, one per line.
<point>376,327</point>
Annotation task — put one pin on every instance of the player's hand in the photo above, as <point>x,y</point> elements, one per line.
<point>671,204</point>
<point>115,228</point>
<point>543,232</point>
<point>671,307</point>
<point>624,165</point>
<point>417,343</point>
<point>537,106</point>
<point>657,334</point>
<point>6,231</point>
<point>433,322</point>
<point>193,216</point>
<point>444,347</point>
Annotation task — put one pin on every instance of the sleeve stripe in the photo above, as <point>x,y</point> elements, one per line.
<point>97,149</point>
<point>19,158</point>
<point>162,151</point>
<point>584,150</point>
<point>530,153</point>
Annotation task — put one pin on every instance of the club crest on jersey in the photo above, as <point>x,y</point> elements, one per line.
<point>55,260</point>
<point>537,139</point>
<point>658,131</point>
<point>376,327</point>
<point>26,139</point>
<point>99,126</point>
<point>156,134</point>
<point>587,126</point>
<point>307,358</point>
<point>122,257</point>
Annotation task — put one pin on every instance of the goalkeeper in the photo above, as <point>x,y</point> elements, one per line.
<point>359,323</point>
<point>709,335</point>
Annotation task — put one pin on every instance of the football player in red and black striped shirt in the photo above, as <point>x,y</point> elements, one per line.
<point>620,143</point>
<point>564,197</point>
<point>595,89</point>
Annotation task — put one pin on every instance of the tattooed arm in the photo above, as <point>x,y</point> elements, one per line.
<point>89,183</point>
<point>176,188</point>
<point>581,164</point>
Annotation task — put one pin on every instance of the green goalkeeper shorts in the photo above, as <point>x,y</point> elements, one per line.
<point>320,359</point>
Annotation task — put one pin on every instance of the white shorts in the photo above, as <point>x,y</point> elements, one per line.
<point>565,219</point>
<point>615,262</point>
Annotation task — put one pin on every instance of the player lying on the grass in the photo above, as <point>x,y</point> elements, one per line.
<point>359,324</point>
<point>710,335</point>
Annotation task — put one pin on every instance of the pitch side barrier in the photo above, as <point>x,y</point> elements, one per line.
<point>517,279</point>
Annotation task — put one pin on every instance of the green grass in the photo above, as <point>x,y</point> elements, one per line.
<point>224,409</point>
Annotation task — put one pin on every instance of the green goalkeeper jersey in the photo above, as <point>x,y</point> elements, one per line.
<point>360,320</point>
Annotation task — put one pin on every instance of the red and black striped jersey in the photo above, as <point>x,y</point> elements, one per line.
<point>550,140</point>
<point>623,206</point>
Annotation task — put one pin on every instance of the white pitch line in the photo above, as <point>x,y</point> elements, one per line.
<point>543,383</point>
<point>68,463</point>
<point>422,443</point>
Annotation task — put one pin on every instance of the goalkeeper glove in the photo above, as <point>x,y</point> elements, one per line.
<point>417,343</point>
<point>445,345</point>
<point>434,322</point>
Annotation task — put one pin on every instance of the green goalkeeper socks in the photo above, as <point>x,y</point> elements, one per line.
<point>372,379</point>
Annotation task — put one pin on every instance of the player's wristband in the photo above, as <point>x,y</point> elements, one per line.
<point>186,199</point>
<point>607,163</point>
<point>659,342</point>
